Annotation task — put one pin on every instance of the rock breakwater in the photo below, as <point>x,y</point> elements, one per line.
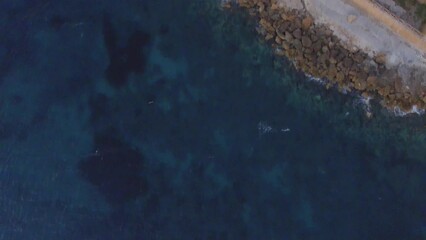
<point>314,49</point>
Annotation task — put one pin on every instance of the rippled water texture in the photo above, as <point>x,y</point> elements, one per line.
<point>155,119</point>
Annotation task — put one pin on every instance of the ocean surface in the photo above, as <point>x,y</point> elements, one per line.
<point>171,119</point>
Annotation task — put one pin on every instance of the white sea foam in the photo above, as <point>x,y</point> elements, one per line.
<point>366,105</point>
<point>365,102</point>
<point>315,79</point>
<point>414,109</point>
<point>263,128</point>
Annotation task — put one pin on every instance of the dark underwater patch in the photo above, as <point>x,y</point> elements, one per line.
<point>98,105</point>
<point>115,169</point>
<point>131,58</point>
<point>164,29</point>
<point>56,22</point>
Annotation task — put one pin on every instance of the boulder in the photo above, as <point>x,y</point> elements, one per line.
<point>278,40</point>
<point>297,44</point>
<point>269,36</point>
<point>358,58</point>
<point>372,80</point>
<point>298,23</point>
<point>322,58</point>
<point>307,22</point>
<point>328,32</point>
<point>288,37</point>
<point>306,41</point>
<point>332,71</point>
<point>325,49</point>
<point>314,37</point>
<point>280,34</point>
<point>285,45</point>
<point>340,76</point>
<point>317,46</point>
<point>266,25</point>
<point>347,62</point>
<point>380,58</point>
<point>297,33</point>
<point>360,84</point>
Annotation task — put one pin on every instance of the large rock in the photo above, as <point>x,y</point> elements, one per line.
<point>297,33</point>
<point>307,22</point>
<point>306,41</point>
<point>340,76</point>
<point>347,62</point>
<point>280,34</point>
<point>317,46</point>
<point>266,25</point>
<point>297,44</point>
<point>380,58</point>
<point>360,84</point>
<point>358,58</point>
<point>372,81</point>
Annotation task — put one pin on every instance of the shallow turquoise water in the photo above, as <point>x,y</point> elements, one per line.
<point>172,120</point>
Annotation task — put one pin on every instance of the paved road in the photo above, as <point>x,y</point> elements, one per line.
<point>394,24</point>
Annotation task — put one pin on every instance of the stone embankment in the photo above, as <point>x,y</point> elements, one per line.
<point>314,49</point>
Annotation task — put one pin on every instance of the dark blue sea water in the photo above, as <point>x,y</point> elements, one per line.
<point>171,119</point>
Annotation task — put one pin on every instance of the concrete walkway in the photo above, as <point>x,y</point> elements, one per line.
<point>396,25</point>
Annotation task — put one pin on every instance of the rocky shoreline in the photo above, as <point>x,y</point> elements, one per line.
<point>314,49</point>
